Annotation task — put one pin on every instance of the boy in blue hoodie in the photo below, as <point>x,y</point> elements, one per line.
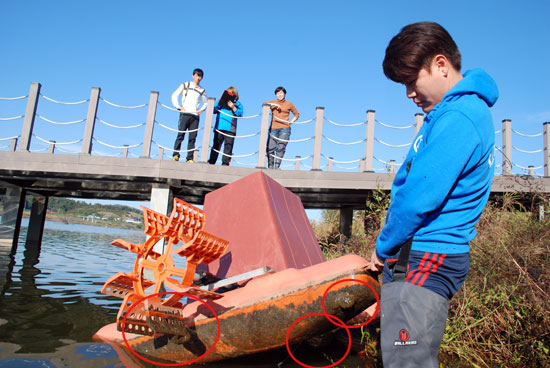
<point>437,195</point>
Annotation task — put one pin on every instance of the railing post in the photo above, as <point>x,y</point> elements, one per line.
<point>208,120</point>
<point>13,144</point>
<point>125,151</point>
<point>264,129</point>
<point>297,163</point>
<point>392,166</point>
<point>369,141</point>
<point>318,139</point>
<point>418,121</point>
<point>90,121</point>
<point>150,124</point>
<point>30,114</point>
<point>546,137</point>
<point>330,163</point>
<point>161,153</point>
<point>51,147</point>
<point>506,147</point>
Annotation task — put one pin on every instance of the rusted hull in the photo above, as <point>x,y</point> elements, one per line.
<point>257,317</point>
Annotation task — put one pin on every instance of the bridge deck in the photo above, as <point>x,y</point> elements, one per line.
<point>86,176</point>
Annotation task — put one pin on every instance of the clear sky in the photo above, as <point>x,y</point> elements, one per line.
<point>325,53</point>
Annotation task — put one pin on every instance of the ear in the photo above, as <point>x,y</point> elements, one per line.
<point>441,64</point>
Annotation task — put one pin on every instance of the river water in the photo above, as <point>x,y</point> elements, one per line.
<point>51,305</point>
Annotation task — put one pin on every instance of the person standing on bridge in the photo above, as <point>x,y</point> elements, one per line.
<point>279,132</point>
<point>191,96</point>
<point>225,129</point>
<point>437,195</point>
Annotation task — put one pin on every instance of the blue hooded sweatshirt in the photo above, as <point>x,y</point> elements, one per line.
<point>225,120</point>
<point>439,192</point>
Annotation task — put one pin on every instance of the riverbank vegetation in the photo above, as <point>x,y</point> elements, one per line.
<point>501,315</point>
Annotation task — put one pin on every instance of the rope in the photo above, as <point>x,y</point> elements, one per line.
<point>15,117</point>
<point>9,138</point>
<point>13,98</point>
<point>40,150</point>
<point>292,141</point>
<point>235,156</point>
<point>347,168</point>
<point>244,163</point>
<point>527,135</point>
<point>118,147</point>
<point>2,147</point>
<point>236,136</point>
<point>120,127</point>
<point>179,131</point>
<point>519,150</point>
<point>123,107</point>
<point>173,150</point>
<point>176,110</point>
<point>295,123</point>
<point>394,146</point>
<point>56,143</point>
<point>64,151</point>
<point>342,143</point>
<point>527,168</point>
<point>386,163</point>
<point>394,127</point>
<point>289,159</point>
<point>60,123</point>
<point>64,103</point>
<point>498,131</point>
<point>341,162</point>
<point>345,125</point>
<point>239,117</point>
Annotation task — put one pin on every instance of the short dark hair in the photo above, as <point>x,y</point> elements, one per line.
<point>280,89</point>
<point>199,72</point>
<point>414,48</point>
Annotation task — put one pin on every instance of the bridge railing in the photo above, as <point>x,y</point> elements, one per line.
<point>318,143</point>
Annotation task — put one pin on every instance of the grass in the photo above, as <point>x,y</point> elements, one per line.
<point>501,315</point>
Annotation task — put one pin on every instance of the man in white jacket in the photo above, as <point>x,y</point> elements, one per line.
<point>191,96</point>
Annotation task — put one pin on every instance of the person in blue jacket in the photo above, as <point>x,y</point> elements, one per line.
<point>225,128</point>
<point>437,195</point>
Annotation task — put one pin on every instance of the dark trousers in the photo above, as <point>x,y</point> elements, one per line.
<point>276,146</point>
<point>187,122</point>
<point>227,138</point>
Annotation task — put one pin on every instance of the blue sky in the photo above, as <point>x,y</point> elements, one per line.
<point>325,53</point>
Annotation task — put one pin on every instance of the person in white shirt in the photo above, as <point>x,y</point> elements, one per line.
<point>192,94</point>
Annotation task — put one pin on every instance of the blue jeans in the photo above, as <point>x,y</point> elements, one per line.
<point>276,146</point>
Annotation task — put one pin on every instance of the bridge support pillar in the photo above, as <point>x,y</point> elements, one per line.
<point>161,202</point>
<point>13,204</point>
<point>346,221</point>
<point>36,221</point>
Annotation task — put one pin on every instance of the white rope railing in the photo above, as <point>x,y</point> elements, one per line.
<point>527,135</point>
<point>121,106</point>
<point>9,138</point>
<point>291,140</point>
<point>176,110</point>
<point>236,136</point>
<point>173,150</point>
<point>56,143</point>
<point>345,125</point>
<point>60,123</point>
<point>346,168</point>
<point>14,118</point>
<point>13,98</point>
<point>341,162</point>
<point>239,117</point>
<point>385,162</point>
<point>2,147</point>
<point>527,168</point>
<point>38,150</point>
<point>65,151</point>
<point>64,103</point>
<point>117,147</point>
<point>235,156</point>
<point>498,131</point>
<point>178,131</point>
<point>343,143</point>
<point>120,127</point>
<point>392,145</point>
<point>524,151</point>
<point>289,159</point>
<point>295,123</point>
<point>245,163</point>
<point>394,127</point>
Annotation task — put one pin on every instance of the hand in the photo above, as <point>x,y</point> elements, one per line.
<point>231,105</point>
<point>375,264</point>
<point>181,108</point>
